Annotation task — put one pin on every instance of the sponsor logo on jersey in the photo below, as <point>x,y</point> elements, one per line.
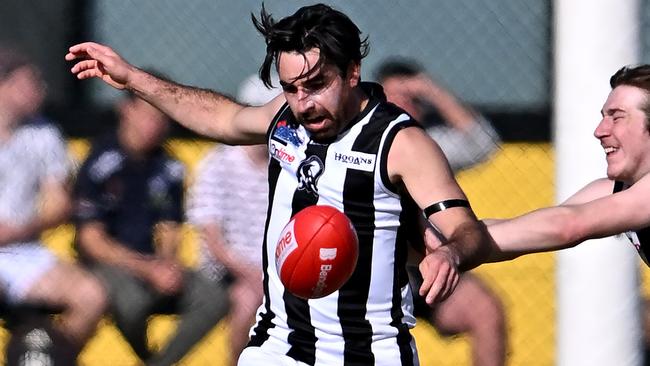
<point>286,245</point>
<point>308,173</point>
<point>356,160</point>
<point>280,153</point>
<point>286,134</point>
<point>326,254</point>
<point>322,278</point>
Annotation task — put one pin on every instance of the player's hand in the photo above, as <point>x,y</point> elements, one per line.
<point>440,274</point>
<point>166,276</point>
<point>431,239</point>
<point>96,60</point>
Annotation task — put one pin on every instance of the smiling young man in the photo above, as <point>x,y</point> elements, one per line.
<point>624,133</point>
<point>333,140</point>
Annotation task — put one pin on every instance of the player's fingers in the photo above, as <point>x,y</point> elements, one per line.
<point>103,55</point>
<point>79,51</point>
<point>456,279</point>
<point>87,74</point>
<point>72,56</point>
<point>434,292</point>
<point>427,278</point>
<point>81,48</point>
<point>92,51</point>
<point>83,65</point>
<point>450,286</point>
<point>427,282</point>
<point>446,282</point>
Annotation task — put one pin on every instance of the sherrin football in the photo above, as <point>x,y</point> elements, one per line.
<point>316,252</point>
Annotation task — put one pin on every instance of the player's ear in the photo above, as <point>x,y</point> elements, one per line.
<point>353,74</point>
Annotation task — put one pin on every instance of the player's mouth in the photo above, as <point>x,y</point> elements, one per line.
<point>314,123</point>
<point>610,149</point>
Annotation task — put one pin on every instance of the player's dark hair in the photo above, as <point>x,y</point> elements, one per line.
<point>316,26</point>
<point>637,76</point>
<point>397,67</point>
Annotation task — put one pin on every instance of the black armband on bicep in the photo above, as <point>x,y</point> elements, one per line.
<point>443,205</point>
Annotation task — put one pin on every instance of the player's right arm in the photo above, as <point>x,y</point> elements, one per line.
<point>204,111</point>
<point>593,212</point>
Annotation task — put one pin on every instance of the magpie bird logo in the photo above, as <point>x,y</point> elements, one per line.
<point>308,173</point>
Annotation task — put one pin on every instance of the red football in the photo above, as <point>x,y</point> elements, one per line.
<point>317,252</point>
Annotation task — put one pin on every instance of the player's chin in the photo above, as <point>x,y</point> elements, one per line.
<point>322,133</point>
<point>615,172</point>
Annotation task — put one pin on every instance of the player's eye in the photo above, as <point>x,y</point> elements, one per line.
<point>289,88</point>
<point>315,85</point>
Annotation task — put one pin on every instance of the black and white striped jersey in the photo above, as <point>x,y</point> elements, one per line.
<point>367,321</point>
<point>640,238</point>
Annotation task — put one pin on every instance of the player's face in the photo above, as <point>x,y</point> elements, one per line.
<point>623,134</point>
<point>322,102</point>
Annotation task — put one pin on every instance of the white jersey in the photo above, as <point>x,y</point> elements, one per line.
<point>367,321</point>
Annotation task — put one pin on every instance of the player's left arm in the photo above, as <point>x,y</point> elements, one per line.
<point>417,162</point>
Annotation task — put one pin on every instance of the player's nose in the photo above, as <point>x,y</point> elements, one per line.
<point>305,103</point>
<point>603,128</point>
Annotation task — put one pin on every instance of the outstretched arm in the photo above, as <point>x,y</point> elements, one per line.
<point>204,111</point>
<point>593,212</point>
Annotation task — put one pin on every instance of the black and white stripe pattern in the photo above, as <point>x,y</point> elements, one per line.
<point>639,238</point>
<point>366,322</point>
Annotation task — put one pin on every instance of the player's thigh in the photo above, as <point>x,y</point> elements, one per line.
<point>460,311</point>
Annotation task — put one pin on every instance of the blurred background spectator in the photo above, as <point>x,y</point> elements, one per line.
<point>34,197</point>
<point>128,211</point>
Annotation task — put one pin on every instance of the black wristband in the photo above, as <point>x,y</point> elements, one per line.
<point>443,205</point>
